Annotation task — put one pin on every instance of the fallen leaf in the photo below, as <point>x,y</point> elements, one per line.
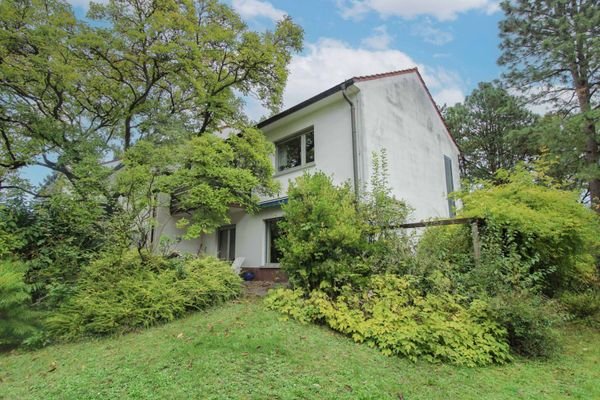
<point>53,366</point>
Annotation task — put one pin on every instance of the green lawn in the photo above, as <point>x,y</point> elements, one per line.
<point>242,351</point>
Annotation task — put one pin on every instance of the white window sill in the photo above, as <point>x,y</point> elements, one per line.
<point>295,169</point>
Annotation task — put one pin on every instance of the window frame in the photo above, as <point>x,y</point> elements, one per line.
<point>449,178</point>
<point>303,164</point>
<point>268,262</point>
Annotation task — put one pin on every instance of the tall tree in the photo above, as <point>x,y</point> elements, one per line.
<point>72,93</point>
<point>552,50</point>
<point>482,126</point>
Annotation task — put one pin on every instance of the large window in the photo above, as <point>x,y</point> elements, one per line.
<point>273,233</point>
<point>226,243</point>
<point>449,186</point>
<point>296,151</point>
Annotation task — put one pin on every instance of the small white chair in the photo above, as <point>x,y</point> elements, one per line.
<point>237,264</point>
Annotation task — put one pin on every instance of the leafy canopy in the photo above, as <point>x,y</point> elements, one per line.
<point>547,227</point>
<point>482,126</point>
<point>71,91</point>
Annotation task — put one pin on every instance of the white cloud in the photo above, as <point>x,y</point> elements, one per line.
<point>430,34</point>
<point>449,96</point>
<point>380,40</point>
<point>440,9</point>
<point>330,61</point>
<point>257,8</point>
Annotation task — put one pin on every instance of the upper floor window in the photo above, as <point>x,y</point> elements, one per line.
<point>296,151</point>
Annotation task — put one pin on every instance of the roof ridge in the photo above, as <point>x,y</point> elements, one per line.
<point>385,74</point>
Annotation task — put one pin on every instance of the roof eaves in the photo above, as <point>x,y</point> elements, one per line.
<point>306,103</point>
<point>385,75</point>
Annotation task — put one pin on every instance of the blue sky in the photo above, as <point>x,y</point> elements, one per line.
<point>453,42</point>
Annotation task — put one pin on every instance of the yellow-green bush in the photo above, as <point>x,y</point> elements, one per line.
<point>390,313</point>
<point>122,292</point>
<point>544,228</point>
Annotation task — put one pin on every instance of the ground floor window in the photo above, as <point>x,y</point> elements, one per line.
<point>226,243</point>
<point>273,233</point>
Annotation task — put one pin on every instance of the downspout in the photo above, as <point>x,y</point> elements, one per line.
<point>354,141</point>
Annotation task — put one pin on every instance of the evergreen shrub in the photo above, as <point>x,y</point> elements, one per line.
<point>122,292</point>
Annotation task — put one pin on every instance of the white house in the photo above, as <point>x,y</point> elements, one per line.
<point>336,132</point>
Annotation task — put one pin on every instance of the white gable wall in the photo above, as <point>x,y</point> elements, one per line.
<point>396,114</point>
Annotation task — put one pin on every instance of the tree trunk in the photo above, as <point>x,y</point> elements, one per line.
<point>592,154</point>
<point>127,137</point>
<point>592,157</point>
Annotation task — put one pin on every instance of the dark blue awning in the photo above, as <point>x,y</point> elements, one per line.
<point>273,203</point>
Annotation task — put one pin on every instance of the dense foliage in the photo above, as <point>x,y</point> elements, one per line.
<point>159,88</point>
<point>18,321</point>
<point>77,91</point>
<point>544,227</point>
<point>584,304</point>
<point>324,240</point>
<point>482,126</point>
<point>332,239</point>
<point>391,313</point>
<point>122,292</point>
<point>529,321</point>
<point>537,242</point>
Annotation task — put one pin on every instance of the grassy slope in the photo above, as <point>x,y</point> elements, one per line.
<point>241,351</point>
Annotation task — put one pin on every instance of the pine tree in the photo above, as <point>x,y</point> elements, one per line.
<point>552,50</point>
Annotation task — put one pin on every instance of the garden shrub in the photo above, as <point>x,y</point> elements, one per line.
<point>534,238</point>
<point>121,292</point>
<point>17,321</point>
<point>389,250</point>
<point>323,239</point>
<point>390,313</point>
<point>583,304</point>
<point>65,234</point>
<point>330,239</point>
<point>444,259</point>
<point>528,320</point>
<point>554,237</point>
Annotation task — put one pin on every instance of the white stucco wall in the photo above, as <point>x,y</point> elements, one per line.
<point>396,114</point>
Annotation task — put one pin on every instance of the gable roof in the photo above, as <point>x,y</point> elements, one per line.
<point>340,87</point>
